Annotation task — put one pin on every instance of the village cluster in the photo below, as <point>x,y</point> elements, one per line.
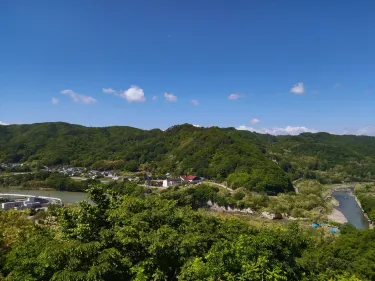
<point>10,165</point>
<point>113,176</point>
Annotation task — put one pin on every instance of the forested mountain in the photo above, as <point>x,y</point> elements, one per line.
<point>243,158</point>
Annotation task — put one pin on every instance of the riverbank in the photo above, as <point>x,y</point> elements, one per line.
<point>348,188</point>
<point>351,209</point>
<point>337,216</point>
<point>26,188</point>
<point>370,222</point>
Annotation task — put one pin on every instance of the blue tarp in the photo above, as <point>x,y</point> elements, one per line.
<point>315,225</point>
<point>334,229</point>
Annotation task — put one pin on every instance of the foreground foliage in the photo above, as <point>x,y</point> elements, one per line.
<point>129,236</point>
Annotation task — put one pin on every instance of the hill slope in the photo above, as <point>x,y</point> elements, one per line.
<point>260,162</point>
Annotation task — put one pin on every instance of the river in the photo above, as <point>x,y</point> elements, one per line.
<point>65,196</point>
<point>350,208</point>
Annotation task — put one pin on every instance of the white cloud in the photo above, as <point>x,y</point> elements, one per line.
<point>77,97</point>
<point>154,97</point>
<point>298,89</point>
<point>255,121</point>
<point>108,91</point>
<point>289,130</point>
<point>233,97</point>
<point>367,131</point>
<point>3,124</point>
<point>170,97</point>
<point>198,126</point>
<point>55,101</point>
<point>133,94</point>
<point>194,102</point>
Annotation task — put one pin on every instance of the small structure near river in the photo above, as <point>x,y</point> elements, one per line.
<point>21,201</point>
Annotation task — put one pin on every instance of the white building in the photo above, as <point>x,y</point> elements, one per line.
<point>21,204</point>
<point>171,182</point>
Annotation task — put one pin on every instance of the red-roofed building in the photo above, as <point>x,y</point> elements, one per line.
<point>187,179</point>
<point>191,179</point>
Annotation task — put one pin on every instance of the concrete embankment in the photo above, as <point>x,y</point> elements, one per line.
<point>370,222</point>
<point>216,207</point>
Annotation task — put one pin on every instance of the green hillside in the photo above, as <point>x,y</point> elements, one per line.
<point>258,162</point>
<point>322,155</point>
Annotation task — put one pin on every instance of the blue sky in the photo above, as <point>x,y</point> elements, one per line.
<point>270,66</point>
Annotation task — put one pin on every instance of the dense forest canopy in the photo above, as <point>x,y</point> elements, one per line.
<point>126,235</point>
<point>262,162</point>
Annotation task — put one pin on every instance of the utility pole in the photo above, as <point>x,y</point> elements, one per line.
<point>148,180</point>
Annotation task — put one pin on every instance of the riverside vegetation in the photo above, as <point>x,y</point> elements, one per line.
<point>366,196</point>
<point>45,180</point>
<point>127,235</point>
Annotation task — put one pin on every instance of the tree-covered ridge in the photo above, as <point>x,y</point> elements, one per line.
<point>351,157</point>
<point>243,159</point>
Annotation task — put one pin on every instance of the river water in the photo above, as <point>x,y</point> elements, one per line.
<point>350,208</point>
<point>65,196</point>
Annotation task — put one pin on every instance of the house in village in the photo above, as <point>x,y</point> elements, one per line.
<point>185,179</point>
<point>171,182</point>
<point>191,179</point>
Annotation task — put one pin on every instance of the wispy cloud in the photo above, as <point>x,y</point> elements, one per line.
<point>366,131</point>
<point>77,97</point>
<point>170,97</point>
<point>254,121</point>
<point>133,94</point>
<point>108,91</point>
<point>234,97</point>
<point>298,89</point>
<point>337,85</point>
<point>154,97</point>
<point>194,102</point>
<point>55,101</point>
<point>3,124</point>
<point>289,130</point>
